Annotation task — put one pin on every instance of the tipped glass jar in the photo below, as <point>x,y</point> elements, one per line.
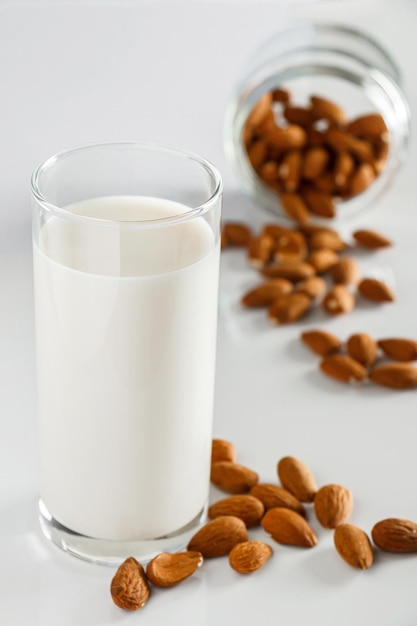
<point>318,126</point>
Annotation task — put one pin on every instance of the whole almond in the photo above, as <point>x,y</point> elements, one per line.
<point>322,108</point>
<point>343,168</point>
<point>288,527</point>
<point>287,137</point>
<point>315,162</point>
<point>295,207</point>
<point>269,171</point>
<point>248,508</point>
<point>260,110</point>
<point>313,287</point>
<point>362,348</point>
<point>343,368</point>
<point>298,115</point>
<point>291,245</point>
<point>291,270</point>
<point>370,125</point>
<point>289,308</point>
<point>236,234</point>
<point>326,238</point>
<point>395,535</point>
<point>395,375</point>
<point>375,290</point>
<point>275,230</point>
<point>260,250</point>
<point>264,294</point>
<point>342,141</point>
<point>257,154</point>
<point>129,587</point>
<point>322,259</point>
<point>345,271</point>
<point>222,450</point>
<point>353,545</point>
<point>371,239</point>
<point>338,300</point>
<point>249,556</point>
<point>167,570</point>
<point>273,496</point>
<point>319,202</point>
<point>290,170</point>
<point>219,536</point>
<point>321,342</point>
<point>333,504</point>
<point>399,349</point>
<point>361,178</point>
<point>297,478</point>
<point>232,477</point>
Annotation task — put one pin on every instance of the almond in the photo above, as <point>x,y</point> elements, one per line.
<point>287,527</point>
<point>338,300</point>
<point>257,154</point>
<point>343,168</point>
<point>298,115</point>
<point>275,230</point>
<point>362,348</point>
<point>289,308</point>
<point>342,141</point>
<point>395,375</point>
<point>290,269</point>
<point>361,178</point>
<point>375,290</point>
<point>353,545</point>
<point>236,234</point>
<point>371,239</point>
<point>368,126</point>
<point>291,246</point>
<point>399,349</point>
<point>322,259</point>
<point>232,477</point>
<point>315,162</point>
<point>395,535</point>
<point>295,207</point>
<point>129,587</point>
<point>167,570</point>
<point>260,250</point>
<point>326,238</point>
<point>246,507</point>
<point>219,536</point>
<point>273,496</point>
<point>343,368</point>
<point>287,137</point>
<point>260,110</point>
<point>290,170</point>
<point>323,109</point>
<point>264,294</point>
<point>269,171</point>
<point>313,287</point>
<point>222,450</point>
<point>249,556</point>
<point>319,202</point>
<point>281,95</point>
<point>333,504</point>
<point>296,477</point>
<point>345,271</point>
<point>321,342</point>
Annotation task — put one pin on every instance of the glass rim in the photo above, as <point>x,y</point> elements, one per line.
<point>193,212</point>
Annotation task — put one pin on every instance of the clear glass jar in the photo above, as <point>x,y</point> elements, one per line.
<point>342,64</point>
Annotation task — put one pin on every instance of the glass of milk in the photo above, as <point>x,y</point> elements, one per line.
<point>126,264</point>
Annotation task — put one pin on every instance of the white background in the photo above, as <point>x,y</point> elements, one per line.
<point>77,72</point>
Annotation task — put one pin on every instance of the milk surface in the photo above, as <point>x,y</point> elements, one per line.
<point>126,336</point>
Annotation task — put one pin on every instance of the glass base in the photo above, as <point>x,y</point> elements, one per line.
<point>104,552</point>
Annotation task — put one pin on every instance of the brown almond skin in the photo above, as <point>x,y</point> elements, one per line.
<point>273,496</point>
<point>260,250</point>
<point>313,287</point>
<point>167,570</point>
<point>129,588</point>
<point>343,368</point>
<point>399,349</point>
<point>361,178</point>
<point>219,536</point>
<point>297,478</point>
<point>333,504</point>
<point>371,239</point>
<point>291,245</point>
<point>249,556</point>
<point>323,259</point>
<point>322,108</point>
<point>236,234</point>
<point>248,508</point>
<point>321,342</point>
<point>222,450</point>
<point>263,295</point>
<point>326,238</point>
<point>290,270</point>
<point>395,535</point>
<point>315,162</point>
<point>289,308</point>
<point>319,202</point>
<point>375,290</point>
<point>294,206</point>
<point>288,527</point>
<point>353,545</point>
<point>232,477</point>
<point>362,348</point>
<point>395,375</point>
<point>260,110</point>
<point>345,271</point>
<point>338,300</point>
<point>370,125</point>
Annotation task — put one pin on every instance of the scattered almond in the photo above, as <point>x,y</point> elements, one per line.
<point>375,290</point>
<point>273,496</point>
<point>222,450</point>
<point>263,295</point>
<point>343,368</point>
<point>395,535</point>
<point>249,556</point>
<point>338,300</point>
<point>296,477</point>
<point>371,239</point>
<point>236,234</point>
<point>345,271</point>
<point>353,545</point>
<point>232,477</point>
<point>321,342</point>
<point>129,587</point>
<point>167,570</point>
<point>288,527</point>
<point>289,308</point>
<point>248,508</point>
<point>395,375</point>
<point>326,238</point>
<point>333,504</point>
<point>260,250</point>
<point>323,259</point>
<point>362,348</point>
<point>399,349</point>
<point>291,270</point>
<point>218,537</point>
<point>313,287</point>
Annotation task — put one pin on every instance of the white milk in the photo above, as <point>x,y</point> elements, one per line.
<point>126,335</point>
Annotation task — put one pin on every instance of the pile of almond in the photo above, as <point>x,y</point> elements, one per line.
<point>304,267</point>
<point>281,510</point>
<point>313,156</point>
<point>386,362</point>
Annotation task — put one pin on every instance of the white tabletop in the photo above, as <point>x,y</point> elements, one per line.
<point>74,73</point>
